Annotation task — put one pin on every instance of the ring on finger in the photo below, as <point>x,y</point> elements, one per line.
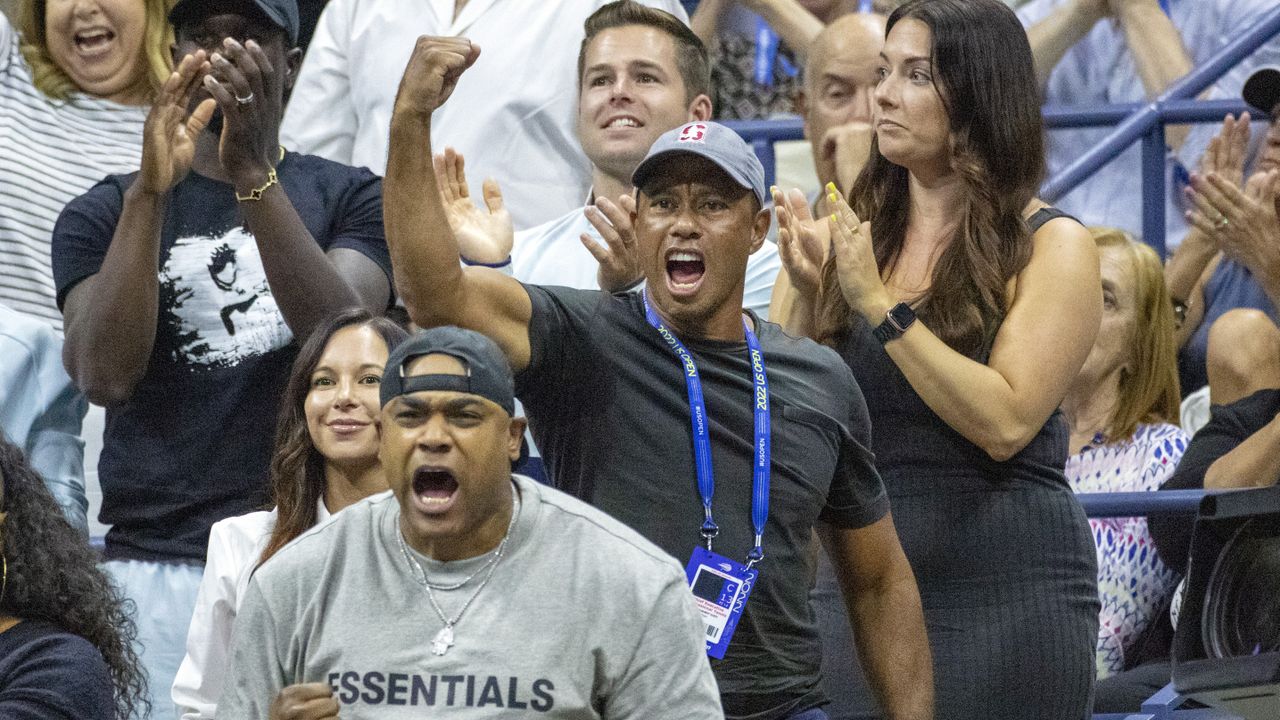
<point>1222,222</point>
<point>244,100</point>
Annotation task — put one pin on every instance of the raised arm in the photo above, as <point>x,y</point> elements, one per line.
<point>1158,51</point>
<point>1053,36</point>
<point>1040,346</point>
<point>435,288</point>
<point>795,26</point>
<point>110,317</point>
<point>884,609</point>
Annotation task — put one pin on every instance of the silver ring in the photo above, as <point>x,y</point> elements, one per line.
<point>1222,222</point>
<point>244,100</point>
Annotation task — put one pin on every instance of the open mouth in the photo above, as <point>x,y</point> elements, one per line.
<point>94,40</point>
<point>685,270</point>
<point>434,489</point>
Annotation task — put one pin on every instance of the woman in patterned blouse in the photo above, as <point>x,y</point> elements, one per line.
<point>1123,414</point>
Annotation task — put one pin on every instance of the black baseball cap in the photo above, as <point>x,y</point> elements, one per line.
<point>1262,89</point>
<point>488,374</point>
<point>281,13</point>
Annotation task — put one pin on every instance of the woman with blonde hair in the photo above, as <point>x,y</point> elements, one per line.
<point>1122,411</point>
<point>76,77</point>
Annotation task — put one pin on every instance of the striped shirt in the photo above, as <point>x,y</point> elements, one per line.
<point>50,152</point>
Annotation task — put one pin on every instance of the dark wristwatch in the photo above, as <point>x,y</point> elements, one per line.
<point>896,322</point>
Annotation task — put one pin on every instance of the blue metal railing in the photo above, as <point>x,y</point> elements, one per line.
<point>1147,124</point>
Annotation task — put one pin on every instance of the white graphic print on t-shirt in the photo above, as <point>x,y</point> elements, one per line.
<point>220,307</point>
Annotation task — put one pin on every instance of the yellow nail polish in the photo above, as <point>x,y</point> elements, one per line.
<point>834,218</point>
<point>831,188</point>
<point>832,197</point>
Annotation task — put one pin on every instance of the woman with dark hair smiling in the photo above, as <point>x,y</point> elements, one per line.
<point>66,637</point>
<point>326,458</point>
<point>965,308</point>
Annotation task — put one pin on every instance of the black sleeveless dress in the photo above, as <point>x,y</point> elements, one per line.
<point>1001,551</point>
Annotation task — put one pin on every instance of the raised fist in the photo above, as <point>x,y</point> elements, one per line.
<point>433,72</point>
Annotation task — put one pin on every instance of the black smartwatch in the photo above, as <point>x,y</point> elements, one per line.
<point>896,322</point>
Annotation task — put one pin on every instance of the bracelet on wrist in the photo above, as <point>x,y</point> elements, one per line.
<point>255,194</point>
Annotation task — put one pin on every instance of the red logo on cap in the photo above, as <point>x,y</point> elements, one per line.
<point>693,132</point>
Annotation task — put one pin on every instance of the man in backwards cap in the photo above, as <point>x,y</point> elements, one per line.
<point>701,426</point>
<point>183,286</point>
<point>469,590</point>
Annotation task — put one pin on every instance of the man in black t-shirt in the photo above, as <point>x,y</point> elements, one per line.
<point>184,287</point>
<point>608,403</point>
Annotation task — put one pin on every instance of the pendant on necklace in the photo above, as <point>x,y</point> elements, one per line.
<point>443,641</point>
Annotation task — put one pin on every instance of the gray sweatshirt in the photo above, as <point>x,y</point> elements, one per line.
<point>583,618</point>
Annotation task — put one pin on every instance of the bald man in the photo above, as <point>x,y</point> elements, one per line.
<point>840,79</point>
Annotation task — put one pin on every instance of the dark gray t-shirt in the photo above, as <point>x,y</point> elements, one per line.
<point>607,403</point>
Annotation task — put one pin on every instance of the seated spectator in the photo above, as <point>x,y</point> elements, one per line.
<point>759,47</point>
<point>1122,411</point>
<point>1094,52</point>
<point>459,521</point>
<point>65,633</point>
<point>41,411</point>
<point>643,73</point>
<point>841,75</point>
<point>184,286</point>
<point>326,459</point>
<point>1238,448</point>
<point>514,122</point>
<point>1231,258</point>
<point>75,80</point>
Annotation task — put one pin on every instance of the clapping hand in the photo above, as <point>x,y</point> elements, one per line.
<point>619,261</point>
<point>250,93</point>
<point>309,701</point>
<point>169,136</point>
<point>482,237</point>
<point>856,266</point>
<point>1242,222</point>
<point>802,251</point>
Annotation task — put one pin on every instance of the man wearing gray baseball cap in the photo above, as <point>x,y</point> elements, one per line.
<point>700,425</point>
<point>467,589</point>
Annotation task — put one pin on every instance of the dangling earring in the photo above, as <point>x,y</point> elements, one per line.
<point>4,577</point>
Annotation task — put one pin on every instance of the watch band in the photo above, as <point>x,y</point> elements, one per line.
<point>896,321</point>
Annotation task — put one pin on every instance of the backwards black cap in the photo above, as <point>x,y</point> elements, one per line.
<point>488,374</point>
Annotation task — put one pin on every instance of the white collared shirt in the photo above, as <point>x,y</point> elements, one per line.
<point>512,115</point>
<point>235,544</point>
<point>1100,69</point>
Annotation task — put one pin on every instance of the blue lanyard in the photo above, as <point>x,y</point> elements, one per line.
<point>702,433</point>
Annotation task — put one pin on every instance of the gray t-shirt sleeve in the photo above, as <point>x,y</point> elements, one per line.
<point>256,672</point>
<point>669,674</point>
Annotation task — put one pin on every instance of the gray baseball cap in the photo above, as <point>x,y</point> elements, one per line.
<point>488,372</point>
<point>1262,89</point>
<point>282,13</point>
<point>713,141</point>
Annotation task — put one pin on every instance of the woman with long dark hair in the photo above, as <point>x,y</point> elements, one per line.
<point>66,635</point>
<point>965,308</point>
<point>326,458</point>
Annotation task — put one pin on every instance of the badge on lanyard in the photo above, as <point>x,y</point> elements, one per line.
<point>720,585</point>
<point>720,590</point>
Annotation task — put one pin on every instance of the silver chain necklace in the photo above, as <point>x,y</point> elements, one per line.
<point>443,640</point>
